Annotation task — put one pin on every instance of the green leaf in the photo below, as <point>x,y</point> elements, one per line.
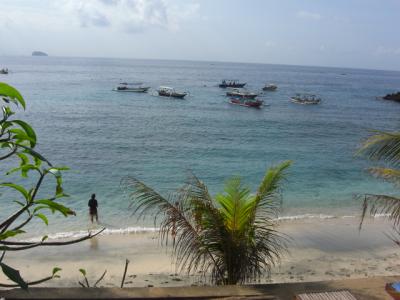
<point>54,206</point>
<point>24,170</point>
<point>55,172</point>
<point>38,161</point>
<point>11,93</point>
<point>45,238</point>
<point>21,136</point>
<point>28,130</point>
<point>10,233</point>
<point>35,154</point>
<point>19,202</point>
<point>43,217</point>
<point>56,270</point>
<point>17,188</point>
<point>14,275</point>
<point>24,159</point>
<point>83,271</point>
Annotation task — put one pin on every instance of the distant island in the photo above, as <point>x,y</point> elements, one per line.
<point>39,53</point>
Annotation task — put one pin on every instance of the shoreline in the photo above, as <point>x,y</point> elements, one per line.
<point>327,249</point>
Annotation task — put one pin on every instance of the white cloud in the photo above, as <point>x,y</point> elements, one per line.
<point>308,15</point>
<point>130,16</point>
<point>381,50</point>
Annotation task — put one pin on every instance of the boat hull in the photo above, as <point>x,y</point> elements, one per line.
<point>133,90</point>
<point>172,94</point>
<point>241,95</point>
<point>236,85</point>
<point>305,102</point>
<point>246,103</point>
<point>269,88</point>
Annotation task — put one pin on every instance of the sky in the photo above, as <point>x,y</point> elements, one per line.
<point>338,33</point>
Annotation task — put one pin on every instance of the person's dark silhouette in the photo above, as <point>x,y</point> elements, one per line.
<point>93,208</point>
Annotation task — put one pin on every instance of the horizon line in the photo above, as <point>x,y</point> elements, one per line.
<point>205,61</point>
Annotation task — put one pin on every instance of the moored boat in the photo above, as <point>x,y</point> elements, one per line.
<point>170,92</point>
<point>4,71</point>
<point>131,87</point>
<point>233,83</point>
<point>256,103</point>
<point>270,87</point>
<point>305,99</point>
<point>241,94</point>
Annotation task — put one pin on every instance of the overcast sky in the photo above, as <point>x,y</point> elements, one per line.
<point>343,33</point>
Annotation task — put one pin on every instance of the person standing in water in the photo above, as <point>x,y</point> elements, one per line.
<point>93,208</point>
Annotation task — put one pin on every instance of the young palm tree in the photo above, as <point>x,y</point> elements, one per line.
<point>232,236</point>
<point>384,146</point>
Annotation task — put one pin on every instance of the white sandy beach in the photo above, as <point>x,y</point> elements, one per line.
<point>319,250</point>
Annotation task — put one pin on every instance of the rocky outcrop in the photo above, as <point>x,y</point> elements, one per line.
<point>39,53</point>
<point>393,97</point>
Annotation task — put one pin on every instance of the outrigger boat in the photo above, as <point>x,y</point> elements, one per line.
<point>231,84</point>
<point>305,99</point>
<point>170,92</point>
<point>270,87</point>
<point>4,71</point>
<point>241,94</point>
<point>256,103</point>
<point>131,87</point>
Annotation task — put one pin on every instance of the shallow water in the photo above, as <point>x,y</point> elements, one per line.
<point>103,135</point>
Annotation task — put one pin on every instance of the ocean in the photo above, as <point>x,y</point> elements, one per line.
<point>103,135</point>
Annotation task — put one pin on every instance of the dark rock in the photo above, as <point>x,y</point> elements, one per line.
<point>39,53</point>
<point>393,97</point>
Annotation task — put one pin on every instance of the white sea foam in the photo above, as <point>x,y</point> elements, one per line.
<point>82,233</point>
<point>138,229</point>
<point>305,216</point>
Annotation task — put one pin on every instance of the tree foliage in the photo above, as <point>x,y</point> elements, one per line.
<point>385,147</point>
<point>233,235</point>
<point>18,140</point>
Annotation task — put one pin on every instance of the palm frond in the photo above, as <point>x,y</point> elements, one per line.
<point>190,250</point>
<point>381,204</point>
<point>233,205</point>
<point>266,201</point>
<point>222,235</point>
<point>394,236</point>
<point>387,174</point>
<point>382,146</point>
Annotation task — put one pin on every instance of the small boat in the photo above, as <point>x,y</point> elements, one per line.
<point>256,103</point>
<point>270,87</point>
<point>231,83</point>
<point>241,94</point>
<point>305,99</point>
<point>131,87</point>
<point>170,92</point>
<point>4,71</point>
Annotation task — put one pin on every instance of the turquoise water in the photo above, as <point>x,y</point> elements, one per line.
<point>103,135</point>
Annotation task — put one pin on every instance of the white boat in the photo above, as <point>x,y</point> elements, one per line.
<point>305,99</point>
<point>170,92</point>
<point>270,87</point>
<point>241,94</point>
<point>131,87</point>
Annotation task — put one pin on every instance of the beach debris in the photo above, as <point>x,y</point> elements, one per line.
<point>85,282</point>
<point>126,269</point>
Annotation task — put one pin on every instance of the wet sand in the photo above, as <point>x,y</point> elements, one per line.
<point>327,249</point>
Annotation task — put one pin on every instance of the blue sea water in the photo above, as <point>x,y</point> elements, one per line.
<point>103,135</point>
